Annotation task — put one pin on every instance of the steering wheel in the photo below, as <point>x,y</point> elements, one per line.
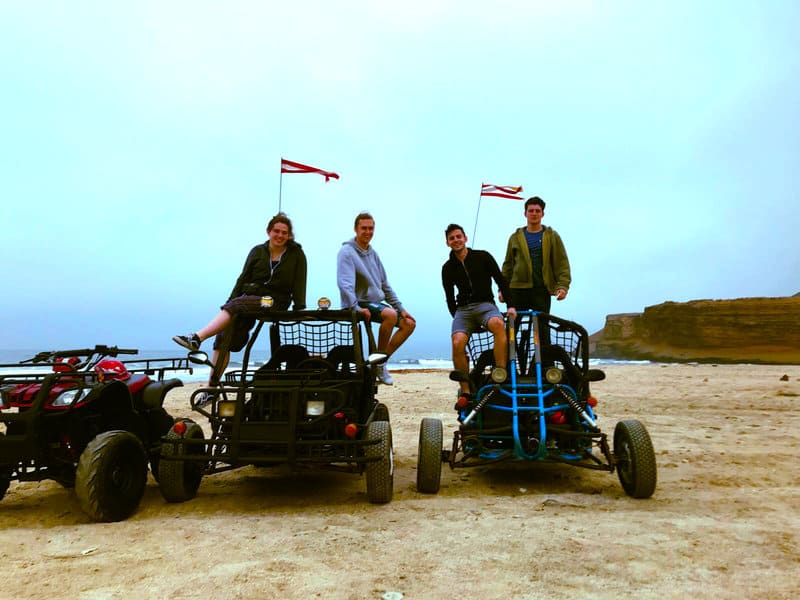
<point>317,364</point>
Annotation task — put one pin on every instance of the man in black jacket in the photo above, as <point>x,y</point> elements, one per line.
<point>471,272</point>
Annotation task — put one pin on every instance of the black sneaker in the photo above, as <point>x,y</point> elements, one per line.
<point>190,342</point>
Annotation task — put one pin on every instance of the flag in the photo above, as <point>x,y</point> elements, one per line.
<point>502,191</point>
<point>288,166</point>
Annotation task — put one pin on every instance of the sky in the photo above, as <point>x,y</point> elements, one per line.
<point>141,145</point>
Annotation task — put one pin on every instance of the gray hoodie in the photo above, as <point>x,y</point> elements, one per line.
<point>362,278</point>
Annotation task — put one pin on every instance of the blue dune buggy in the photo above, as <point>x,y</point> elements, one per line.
<point>542,411</point>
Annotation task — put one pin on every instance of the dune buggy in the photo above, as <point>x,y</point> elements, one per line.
<point>542,411</point>
<point>88,421</point>
<point>312,404</point>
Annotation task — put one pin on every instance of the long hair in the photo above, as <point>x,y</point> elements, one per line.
<point>282,218</point>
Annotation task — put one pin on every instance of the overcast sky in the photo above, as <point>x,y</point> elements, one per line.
<point>141,144</point>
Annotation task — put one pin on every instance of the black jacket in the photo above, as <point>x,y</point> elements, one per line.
<point>473,279</point>
<point>286,283</point>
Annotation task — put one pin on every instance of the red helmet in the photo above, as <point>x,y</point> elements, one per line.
<point>108,368</point>
<point>65,366</point>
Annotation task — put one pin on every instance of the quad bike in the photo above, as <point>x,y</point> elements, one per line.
<point>88,421</point>
<point>312,405</point>
<point>541,409</point>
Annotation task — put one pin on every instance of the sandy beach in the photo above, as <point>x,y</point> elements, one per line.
<point>723,522</point>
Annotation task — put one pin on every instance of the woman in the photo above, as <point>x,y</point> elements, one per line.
<point>277,269</point>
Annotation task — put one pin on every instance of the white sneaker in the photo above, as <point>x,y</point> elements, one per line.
<point>383,375</point>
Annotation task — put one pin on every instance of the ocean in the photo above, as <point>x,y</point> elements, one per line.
<point>200,372</point>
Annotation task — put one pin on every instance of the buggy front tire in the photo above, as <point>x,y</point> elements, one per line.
<point>429,456</point>
<point>179,479</point>
<point>381,412</point>
<point>111,476</point>
<point>380,472</point>
<point>635,459</point>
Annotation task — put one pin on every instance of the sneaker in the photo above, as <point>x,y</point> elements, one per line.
<point>383,375</point>
<point>191,342</point>
<point>204,398</point>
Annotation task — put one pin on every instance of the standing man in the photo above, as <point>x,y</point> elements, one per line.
<point>363,285</point>
<point>471,272</point>
<point>536,264</point>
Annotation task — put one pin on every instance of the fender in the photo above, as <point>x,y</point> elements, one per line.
<point>153,395</point>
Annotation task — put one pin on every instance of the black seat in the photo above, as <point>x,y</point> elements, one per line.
<point>478,373</point>
<point>290,355</point>
<point>343,359</point>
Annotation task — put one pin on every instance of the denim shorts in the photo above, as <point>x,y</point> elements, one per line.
<point>375,309</point>
<point>472,317</point>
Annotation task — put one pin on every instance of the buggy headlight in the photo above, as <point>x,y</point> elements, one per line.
<point>71,397</point>
<point>315,408</point>
<point>226,408</point>
<point>554,375</point>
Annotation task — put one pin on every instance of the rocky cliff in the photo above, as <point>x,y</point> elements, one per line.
<point>743,330</point>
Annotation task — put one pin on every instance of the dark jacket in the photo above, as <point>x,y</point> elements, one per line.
<point>473,278</point>
<point>286,283</point>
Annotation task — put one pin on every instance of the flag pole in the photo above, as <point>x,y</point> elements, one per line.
<point>475,228</point>
<point>280,186</point>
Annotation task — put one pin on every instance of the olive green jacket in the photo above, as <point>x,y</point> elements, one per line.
<point>518,269</point>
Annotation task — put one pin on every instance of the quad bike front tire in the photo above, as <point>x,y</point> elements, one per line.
<point>179,480</point>
<point>429,456</point>
<point>635,459</point>
<point>380,473</point>
<point>5,477</point>
<point>111,476</point>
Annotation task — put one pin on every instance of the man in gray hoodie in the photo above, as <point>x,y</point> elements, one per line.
<point>363,285</point>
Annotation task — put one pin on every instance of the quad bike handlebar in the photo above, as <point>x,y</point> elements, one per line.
<point>101,350</point>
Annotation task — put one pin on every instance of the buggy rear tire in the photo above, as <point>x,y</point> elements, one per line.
<point>111,476</point>
<point>429,456</point>
<point>179,480</point>
<point>635,459</point>
<point>380,473</point>
<point>381,412</point>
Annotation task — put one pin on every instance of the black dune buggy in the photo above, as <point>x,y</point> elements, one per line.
<point>312,404</point>
<point>542,411</point>
<point>88,421</point>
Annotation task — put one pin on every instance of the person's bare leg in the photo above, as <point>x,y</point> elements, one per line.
<point>404,329</point>
<point>217,357</point>
<point>217,324</point>
<point>497,326</point>
<point>460,359</point>
<point>389,318</point>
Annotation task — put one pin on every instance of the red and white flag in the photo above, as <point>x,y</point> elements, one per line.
<point>502,191</point>
<point>288,166</point>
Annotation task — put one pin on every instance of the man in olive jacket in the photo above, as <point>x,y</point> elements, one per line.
<point>536,264</point>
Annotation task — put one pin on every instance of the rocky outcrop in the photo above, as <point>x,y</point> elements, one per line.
<point>743,330</point>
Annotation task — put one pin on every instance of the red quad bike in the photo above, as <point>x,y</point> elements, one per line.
<point>540,410</point>
<point>88,421</point>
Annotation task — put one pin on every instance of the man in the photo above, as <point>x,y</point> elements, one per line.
<point>537,268</point>
<point>471,272</point>
<point>363,285</point>
<point>536,264</point>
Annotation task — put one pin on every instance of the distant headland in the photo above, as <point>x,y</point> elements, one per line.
<point>741,330</point>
